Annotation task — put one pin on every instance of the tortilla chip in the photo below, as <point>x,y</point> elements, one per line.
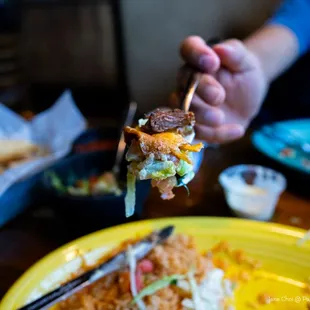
<point>11,150</point>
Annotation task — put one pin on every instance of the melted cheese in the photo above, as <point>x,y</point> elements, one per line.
<point>164,143</point>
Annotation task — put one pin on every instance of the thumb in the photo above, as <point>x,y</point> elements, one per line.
<point>235,56</point>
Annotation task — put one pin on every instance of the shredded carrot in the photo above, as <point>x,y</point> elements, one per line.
<point>220,263</point>
<point>239,256</point>
<point>222,246</point>
<point>253,263</point>
<point>244,276</point>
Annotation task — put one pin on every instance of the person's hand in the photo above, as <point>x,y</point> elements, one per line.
<point>231,89</point>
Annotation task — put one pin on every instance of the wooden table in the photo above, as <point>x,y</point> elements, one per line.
<point>38,231</point>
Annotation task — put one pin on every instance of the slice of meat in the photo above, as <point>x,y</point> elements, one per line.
<point>165,120</point>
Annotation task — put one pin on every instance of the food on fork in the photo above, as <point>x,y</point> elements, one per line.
<point>160,149</point>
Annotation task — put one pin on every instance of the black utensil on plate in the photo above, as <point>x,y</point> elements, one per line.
<point>140,250</point>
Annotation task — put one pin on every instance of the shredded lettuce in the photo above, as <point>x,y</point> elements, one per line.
<point>130,199</point>
<point>184,168</point>
<point>132,156</point>
<point>83,188</point>
<point>142,121</point>
<point>157,170</point>
<point>210,293</point>
<point>156,286</point>
<point>184,286</point>
<point>56,181</point>
<point>107,184</point>
<point>78,191</point>
<point>134,152</point>
<point>132,271</point>
<point>195,291</point>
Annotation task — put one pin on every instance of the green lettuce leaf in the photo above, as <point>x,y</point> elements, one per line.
<point>157,170</point>
<point>184,168</point>
<point>142,121</point>
<point>130,199</point>
<point>156,286</point>
<point>56,182</point>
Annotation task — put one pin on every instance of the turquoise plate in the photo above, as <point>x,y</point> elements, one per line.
<point>277,148</point>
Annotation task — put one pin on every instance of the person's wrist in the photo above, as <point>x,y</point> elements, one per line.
<point>262,83</point>
<point>275,47</point>
<point>258,63</point>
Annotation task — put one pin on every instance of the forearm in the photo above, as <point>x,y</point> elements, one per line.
<point>276,47</point>
<point>285,37</point>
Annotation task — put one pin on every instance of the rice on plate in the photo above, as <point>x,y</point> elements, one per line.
<point>175,275</point>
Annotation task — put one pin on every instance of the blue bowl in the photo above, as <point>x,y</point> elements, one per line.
<point>19,197</point>
<point>92,211</point>
<point>27,192</point>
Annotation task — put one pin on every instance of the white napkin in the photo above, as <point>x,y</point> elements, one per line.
<point>55,128</point>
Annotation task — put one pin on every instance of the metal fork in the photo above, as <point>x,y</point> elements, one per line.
<point>122,144</point>
<point>190,89</point>
<point>193,80</point>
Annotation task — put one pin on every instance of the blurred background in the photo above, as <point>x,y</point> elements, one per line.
<point>108,51</point>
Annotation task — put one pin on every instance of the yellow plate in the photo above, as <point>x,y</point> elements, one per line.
<point>286,265</point>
